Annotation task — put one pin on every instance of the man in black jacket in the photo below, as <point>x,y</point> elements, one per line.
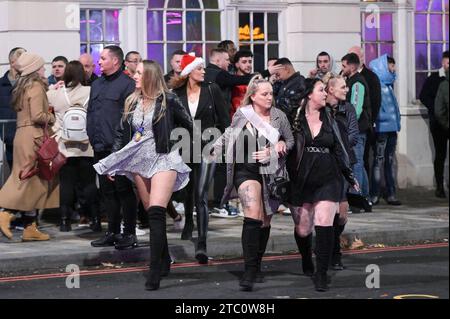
<point>358,96</point>
<point>107,99</point>
<point>175,63</point>
<point>439,134</point>
<point>292,86</point>
<point>375,102</point>
<point>7,83</point>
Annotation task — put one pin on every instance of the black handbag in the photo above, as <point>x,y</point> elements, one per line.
<point>279,188</point>
<point>359,201</point>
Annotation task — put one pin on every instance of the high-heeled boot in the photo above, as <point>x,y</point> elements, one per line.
<point>250,245</point>
<point>304,245</point>
<point>158,239</point>
<point>324,248</point>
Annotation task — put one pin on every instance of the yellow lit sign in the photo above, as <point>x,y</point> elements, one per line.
<point>244,33</point>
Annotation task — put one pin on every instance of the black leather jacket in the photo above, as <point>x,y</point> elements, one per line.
<point>174,116</point>
<point>295,157</point>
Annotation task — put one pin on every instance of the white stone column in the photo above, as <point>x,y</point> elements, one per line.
<point>47,28</point>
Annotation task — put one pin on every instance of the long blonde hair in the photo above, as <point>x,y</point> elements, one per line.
<point>23,84</point>
<point>153,87</point>
<point>252,88</point>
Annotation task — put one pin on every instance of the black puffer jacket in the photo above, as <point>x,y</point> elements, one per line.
<point>174,116</point>
<point>289,94</point>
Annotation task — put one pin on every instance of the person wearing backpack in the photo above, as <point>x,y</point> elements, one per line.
<point>70,104</point>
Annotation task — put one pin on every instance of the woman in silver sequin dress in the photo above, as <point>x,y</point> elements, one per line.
<point>143,152</point>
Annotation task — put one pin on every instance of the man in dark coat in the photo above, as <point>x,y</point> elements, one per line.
<point>439,134</point>
<point>7,83</point>
<point>106,103</point>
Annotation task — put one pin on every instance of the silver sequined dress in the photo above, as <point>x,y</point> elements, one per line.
<point>140,157</point>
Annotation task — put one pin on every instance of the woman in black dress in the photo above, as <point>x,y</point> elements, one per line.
<point>315,169</point>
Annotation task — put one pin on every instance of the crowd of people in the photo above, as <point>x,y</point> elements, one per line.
<point>272,138</point>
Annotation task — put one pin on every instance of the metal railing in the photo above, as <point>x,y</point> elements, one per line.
<point>4,168</point>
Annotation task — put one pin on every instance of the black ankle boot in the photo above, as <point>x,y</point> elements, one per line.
<point>324,247</point>
<point>263,239</point>
<point>66,222</point>
<point>158,240</point>
<point>336,259</point>
<point>304,245</point>
<point>250,245</point>
<point>127,241</point>
<point>201,251</point>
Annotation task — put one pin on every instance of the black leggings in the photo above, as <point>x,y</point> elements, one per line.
<point>77,179</point>
<point>440,139</point>
<point>118,195</point>
<point>197,193</point>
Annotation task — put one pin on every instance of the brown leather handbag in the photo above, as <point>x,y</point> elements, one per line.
<point>49,159</point>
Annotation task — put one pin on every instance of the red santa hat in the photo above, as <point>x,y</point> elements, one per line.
<point>189,62</point>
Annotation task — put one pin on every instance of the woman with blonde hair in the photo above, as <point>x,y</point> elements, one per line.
<point>257,142</point>
<point>143,152</point>
<point>33,115</point>
<point>345,115</point>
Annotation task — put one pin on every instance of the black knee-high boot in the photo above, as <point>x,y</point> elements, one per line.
<point>158,243</point>
<point>250,245</point>
<point>304,245</point>
<point>324,248</point>
<point>336,259</point>
<point>166,260</point>
<point>263,239</point>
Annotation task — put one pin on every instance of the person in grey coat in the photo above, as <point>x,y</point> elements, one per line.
<point>259,134</point>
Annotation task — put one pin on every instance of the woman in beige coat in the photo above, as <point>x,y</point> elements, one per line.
<point>78,170</point>
<point>26,196</point>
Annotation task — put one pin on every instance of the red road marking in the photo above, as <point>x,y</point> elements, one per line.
<point>211,263</point>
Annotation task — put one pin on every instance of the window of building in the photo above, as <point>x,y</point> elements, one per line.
<point>431,29</point>
<point>377,35</point>
<point>190,25</point>
<point>258,32</point>
<point>98,29</point>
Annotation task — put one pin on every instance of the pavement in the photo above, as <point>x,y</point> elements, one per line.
<point>421,218</point>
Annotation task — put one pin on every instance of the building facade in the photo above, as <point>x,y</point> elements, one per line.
<point>414,32</point>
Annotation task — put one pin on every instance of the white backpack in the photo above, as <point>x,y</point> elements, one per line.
<point>74,122</point>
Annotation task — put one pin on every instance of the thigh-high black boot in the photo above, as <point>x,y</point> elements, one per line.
<point>158,243</point>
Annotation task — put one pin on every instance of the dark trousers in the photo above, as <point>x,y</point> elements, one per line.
<point>220,182</point>
<point>118,195</point>
<point>197,193</point>
<point>77,181</point>
<point>384,153</point>
<point>440,140</point>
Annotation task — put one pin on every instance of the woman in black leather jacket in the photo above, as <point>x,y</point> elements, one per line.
<point>206,106</point>
<point>143,152</point>
<point>315,168</point>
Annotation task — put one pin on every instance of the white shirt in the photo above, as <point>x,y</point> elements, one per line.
<point>193,108</point>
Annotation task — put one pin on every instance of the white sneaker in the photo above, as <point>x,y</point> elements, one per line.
<point>140,232</point>
<point>179,207</point>
<point>284,210</point>
<point>223,213</point>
